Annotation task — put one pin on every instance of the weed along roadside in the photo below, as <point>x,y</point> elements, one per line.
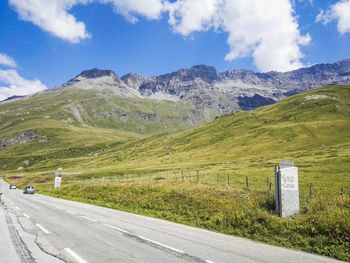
<point>321,227</point>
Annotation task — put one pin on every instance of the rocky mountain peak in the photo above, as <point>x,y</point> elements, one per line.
<point>97,73</point>
<point>206,73</point>
<point>132,79</point>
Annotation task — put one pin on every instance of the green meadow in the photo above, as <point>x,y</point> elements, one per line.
<point>142,173</point>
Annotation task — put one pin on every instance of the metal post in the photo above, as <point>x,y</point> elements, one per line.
<point>182,174</point>
<point>246,181</point>
<point>228,179</point>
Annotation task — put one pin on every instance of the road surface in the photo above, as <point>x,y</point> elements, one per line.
<point>76,232</point>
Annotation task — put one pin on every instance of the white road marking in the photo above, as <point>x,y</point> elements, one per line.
<point>118,229</point>
<point>162,245</point>
<point>17,208</point>
<point>209,261</point>
<point>93,220</point>
<point>75,255</point>
<point>27,216</point>
<point>43,229</point>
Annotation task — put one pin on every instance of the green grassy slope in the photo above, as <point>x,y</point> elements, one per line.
<point>314,133</point>
<point>312,129</point>
<point>102,109</point>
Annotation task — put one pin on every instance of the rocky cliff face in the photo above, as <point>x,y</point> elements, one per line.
<point>219,92</point>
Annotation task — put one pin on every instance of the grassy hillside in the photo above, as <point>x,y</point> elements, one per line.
<point>311,129</point>
<point>101,109</point>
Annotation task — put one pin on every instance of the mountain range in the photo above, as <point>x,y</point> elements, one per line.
<point>175,101</point>
<point>221,93</point>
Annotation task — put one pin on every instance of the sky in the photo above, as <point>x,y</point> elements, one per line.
<point>45,43</point>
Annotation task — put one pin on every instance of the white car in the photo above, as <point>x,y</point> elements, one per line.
<point>12,186</point>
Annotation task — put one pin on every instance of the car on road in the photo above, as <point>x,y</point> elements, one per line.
<point>12,186</point>
<point>28,190</point>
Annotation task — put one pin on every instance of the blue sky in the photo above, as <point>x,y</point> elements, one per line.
<point>49,42</point>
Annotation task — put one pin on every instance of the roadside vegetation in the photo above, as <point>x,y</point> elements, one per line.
<point>311,129</point>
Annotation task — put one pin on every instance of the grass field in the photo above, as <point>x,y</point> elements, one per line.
<point>312,129</point>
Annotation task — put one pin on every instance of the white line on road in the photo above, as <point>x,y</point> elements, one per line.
<point>27,216</point>
<point>93,220</point>
<point>209,261</point>
<point>75,255</point>
<point>43,229</point>
<point>118,229</point>
<point>162,245</point>
<point>17,208</point>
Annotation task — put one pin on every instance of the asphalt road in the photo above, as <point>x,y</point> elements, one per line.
<point>76,232</point>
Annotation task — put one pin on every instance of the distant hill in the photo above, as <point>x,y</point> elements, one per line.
<point>13,97</point>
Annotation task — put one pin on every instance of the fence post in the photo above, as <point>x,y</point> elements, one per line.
<point>206,178</point>
<point>341,191</point>
<point>246,181</point>
<point>182,174</point>
<point>175,174</point>
<point>197,177</point>
<point>189,173</point>
<point>218,179</point>
<point>310,190</point>
<point>158,174</point>
<point>228,179</point>
<point>167,175</point>
<point>267,183</point>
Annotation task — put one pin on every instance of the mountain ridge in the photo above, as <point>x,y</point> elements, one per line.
<point>226,91</point>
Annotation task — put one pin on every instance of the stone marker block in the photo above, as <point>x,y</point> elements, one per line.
<point>287,191</point>
<point>57,182</point>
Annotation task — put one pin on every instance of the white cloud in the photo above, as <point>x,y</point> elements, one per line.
<point>150,9</point>
<point>52,17</point>
<point>265,29</point>
<point>16,85</point>
<point>339,11</point>
<point>6,60</point>
<point>187,16</point>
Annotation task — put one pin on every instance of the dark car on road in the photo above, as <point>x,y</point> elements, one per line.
<point>28,190</point>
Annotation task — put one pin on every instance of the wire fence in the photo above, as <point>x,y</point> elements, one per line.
<point>218,179</point>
